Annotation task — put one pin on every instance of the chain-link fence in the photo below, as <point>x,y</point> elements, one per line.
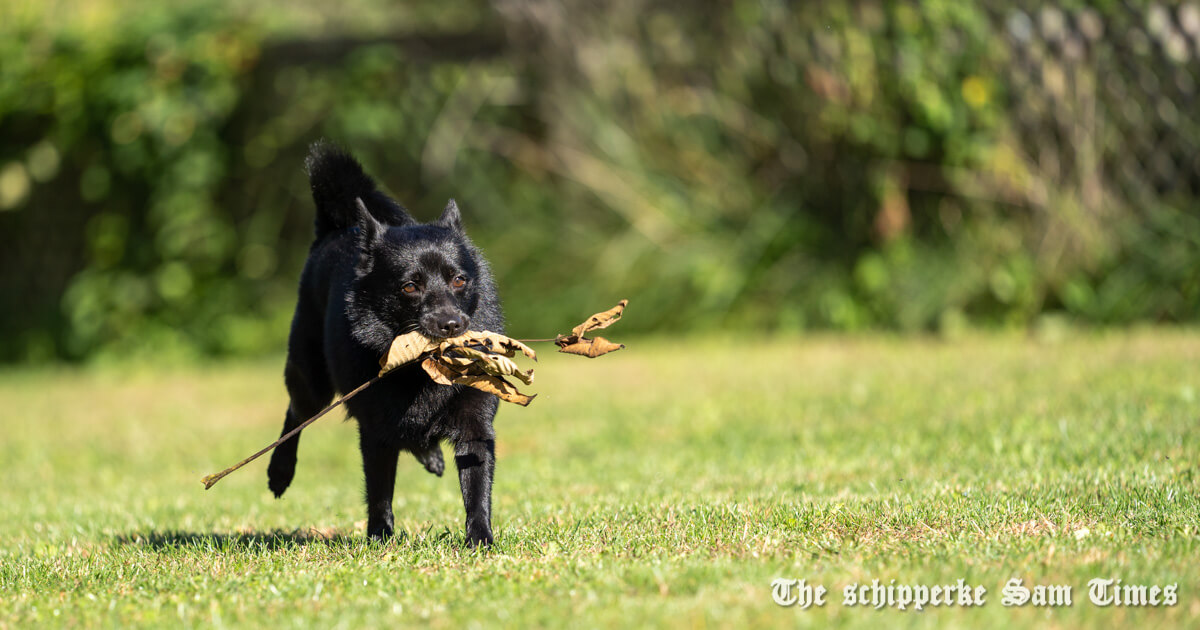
<point>1108,98</point>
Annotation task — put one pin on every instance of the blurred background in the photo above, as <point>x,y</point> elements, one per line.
<point>746,165</point>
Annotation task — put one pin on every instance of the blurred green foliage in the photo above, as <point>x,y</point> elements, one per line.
<point>752,165</point>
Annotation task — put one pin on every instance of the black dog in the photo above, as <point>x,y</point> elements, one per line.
<point>373,273</point>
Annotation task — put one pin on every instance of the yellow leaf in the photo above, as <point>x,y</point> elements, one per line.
<point>975,91</point>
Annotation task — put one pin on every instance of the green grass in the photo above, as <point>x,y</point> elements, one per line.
<point>667,484</point>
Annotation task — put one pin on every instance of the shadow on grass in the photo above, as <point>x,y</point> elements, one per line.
<point>243,541</point>
<point>276,539</point>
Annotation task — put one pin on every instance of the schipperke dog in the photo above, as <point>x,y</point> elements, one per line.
<point>373,272</point>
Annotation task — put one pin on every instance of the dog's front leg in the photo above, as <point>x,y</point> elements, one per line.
<point>379,468</point>
<point>476,461</point>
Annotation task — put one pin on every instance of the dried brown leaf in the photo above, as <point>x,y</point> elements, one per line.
<point>591,348</point>
<point>472,377</point>
<point>441,373</point>
<point>449,375</point>
<point>490,341</point>
<point>600,320</point>
<point>494,364</point>
<point>479,359</point>
<point>405,349</point>
<point>496,385</point>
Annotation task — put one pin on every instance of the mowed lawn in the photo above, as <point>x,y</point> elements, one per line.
<point>664,485</point>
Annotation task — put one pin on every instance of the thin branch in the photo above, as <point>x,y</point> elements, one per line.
<point>211,480</point>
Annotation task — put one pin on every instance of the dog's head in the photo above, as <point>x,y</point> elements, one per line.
<point>426,277</point>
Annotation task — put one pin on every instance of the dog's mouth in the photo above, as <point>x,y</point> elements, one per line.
<point>437,337</point>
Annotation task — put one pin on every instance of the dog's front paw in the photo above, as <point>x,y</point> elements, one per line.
<point>380,529</point>
<point>479,534</point>
<point>280,472</point>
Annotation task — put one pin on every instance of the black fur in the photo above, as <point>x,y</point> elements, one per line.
<point>352,303</point>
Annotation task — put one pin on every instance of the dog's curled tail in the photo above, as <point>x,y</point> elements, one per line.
<point>337,179</point>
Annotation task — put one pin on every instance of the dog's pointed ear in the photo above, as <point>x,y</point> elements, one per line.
<point>368,231</point>
<point>450,218</point>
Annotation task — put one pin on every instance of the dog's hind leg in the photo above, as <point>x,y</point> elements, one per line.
<point>310,390</point>
<point>431,459</point>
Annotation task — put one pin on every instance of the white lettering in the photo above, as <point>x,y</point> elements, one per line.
<point>783,591</point>
<point>850,595</point>
<point>789,592</point>
<point>1014,594</point>
<point>1052,595</point>
<point>1099,592</point>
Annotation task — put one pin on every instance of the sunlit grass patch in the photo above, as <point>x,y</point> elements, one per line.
<point>666,484</point>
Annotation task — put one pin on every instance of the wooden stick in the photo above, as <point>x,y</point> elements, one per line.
<point>211,480</point>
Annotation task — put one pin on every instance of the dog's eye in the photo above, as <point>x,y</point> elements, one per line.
<point>409,288</point>
<point>458,282</point>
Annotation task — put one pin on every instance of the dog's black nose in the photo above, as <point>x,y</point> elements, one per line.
<point>451,326</point>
